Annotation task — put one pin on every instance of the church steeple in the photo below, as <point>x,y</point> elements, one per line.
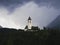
<point>29,23</point>
<point>29,18</point>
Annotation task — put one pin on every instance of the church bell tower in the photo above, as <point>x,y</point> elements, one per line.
<point>29,23</point>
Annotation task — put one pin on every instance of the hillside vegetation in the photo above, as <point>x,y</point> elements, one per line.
<point>20,37</point>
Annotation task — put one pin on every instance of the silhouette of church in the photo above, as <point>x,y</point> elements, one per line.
<point>29,26</point>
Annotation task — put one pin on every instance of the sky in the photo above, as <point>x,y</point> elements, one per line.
<point>14,13</point>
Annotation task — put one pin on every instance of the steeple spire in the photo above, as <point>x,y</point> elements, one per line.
<point>29,23</point>
<point>29,18</point>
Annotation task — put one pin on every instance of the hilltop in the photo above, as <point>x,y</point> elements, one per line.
<point>19,37</point>
<point>55,24</point>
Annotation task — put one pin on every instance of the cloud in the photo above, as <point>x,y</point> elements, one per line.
<point>12,4</point>
<point>5,19</point>
<point>49,3</point>
<point>41,16</point>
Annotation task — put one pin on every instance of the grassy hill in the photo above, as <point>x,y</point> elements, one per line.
<point>20,37</point>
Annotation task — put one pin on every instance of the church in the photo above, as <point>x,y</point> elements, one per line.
<point>29,26</point>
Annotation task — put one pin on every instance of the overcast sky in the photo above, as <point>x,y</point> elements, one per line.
<point>14,13</point>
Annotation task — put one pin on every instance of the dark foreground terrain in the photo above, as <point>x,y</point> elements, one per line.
<point>20,37</point>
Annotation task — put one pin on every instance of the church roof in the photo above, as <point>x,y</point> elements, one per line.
<point>33,27</point>
<point>29,18</point>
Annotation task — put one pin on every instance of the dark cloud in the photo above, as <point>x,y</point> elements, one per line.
<point>52,3</point>
<point>11,4</point>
